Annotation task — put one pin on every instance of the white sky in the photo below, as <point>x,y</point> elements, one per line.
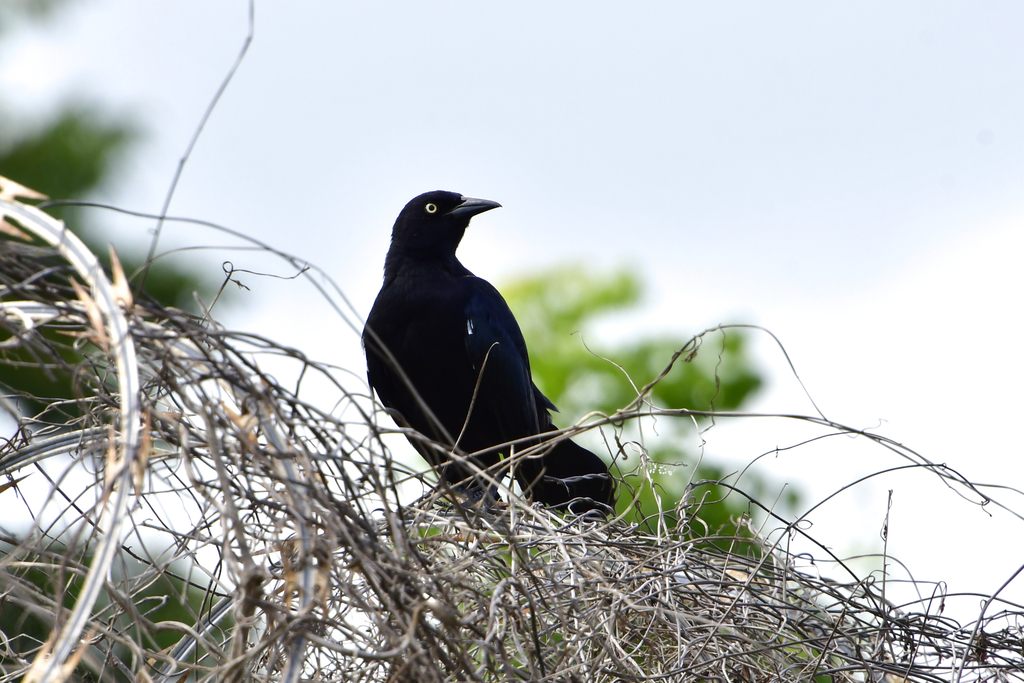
<point>848,176</point>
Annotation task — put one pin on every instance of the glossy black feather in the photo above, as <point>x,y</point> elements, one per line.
<point>452,335</point>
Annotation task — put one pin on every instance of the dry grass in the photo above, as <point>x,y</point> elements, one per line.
<point>190,517</point>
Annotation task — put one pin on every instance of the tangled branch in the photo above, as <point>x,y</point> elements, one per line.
<point>190,514</point>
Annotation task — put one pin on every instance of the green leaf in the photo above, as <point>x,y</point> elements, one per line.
<point>554,306</point>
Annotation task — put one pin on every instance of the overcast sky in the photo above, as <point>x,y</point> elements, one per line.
<point>850,177</point>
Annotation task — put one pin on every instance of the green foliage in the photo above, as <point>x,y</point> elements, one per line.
<point>12,10</point>
<point>579,375</point>
<point>69,158</point>
<point>553,306</point>
<point>162,603</point>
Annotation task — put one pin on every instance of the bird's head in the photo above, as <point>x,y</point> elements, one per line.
<point>433,223</point>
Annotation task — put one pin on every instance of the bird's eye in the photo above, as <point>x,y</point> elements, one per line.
<point>431,208</point>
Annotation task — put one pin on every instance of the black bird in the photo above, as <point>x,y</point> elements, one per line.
<point>442,339</point>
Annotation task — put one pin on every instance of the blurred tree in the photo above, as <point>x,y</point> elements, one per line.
<point>72,154</point>
<point>76,153</point>
<point>11,11</point>
<point>69,156</point>
<point>166,599</point>
<point>579,378</point>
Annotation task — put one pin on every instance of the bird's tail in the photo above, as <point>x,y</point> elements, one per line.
<point>569,475</point>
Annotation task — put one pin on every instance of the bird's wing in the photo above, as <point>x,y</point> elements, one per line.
<point>543,403</point>
<point>495,345</point>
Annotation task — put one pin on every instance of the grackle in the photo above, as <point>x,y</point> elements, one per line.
<point>446,356</point>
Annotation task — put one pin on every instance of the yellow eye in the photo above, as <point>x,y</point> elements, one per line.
<point>431,208</point>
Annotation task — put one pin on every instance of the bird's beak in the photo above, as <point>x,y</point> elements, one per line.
<point>471,207</point>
